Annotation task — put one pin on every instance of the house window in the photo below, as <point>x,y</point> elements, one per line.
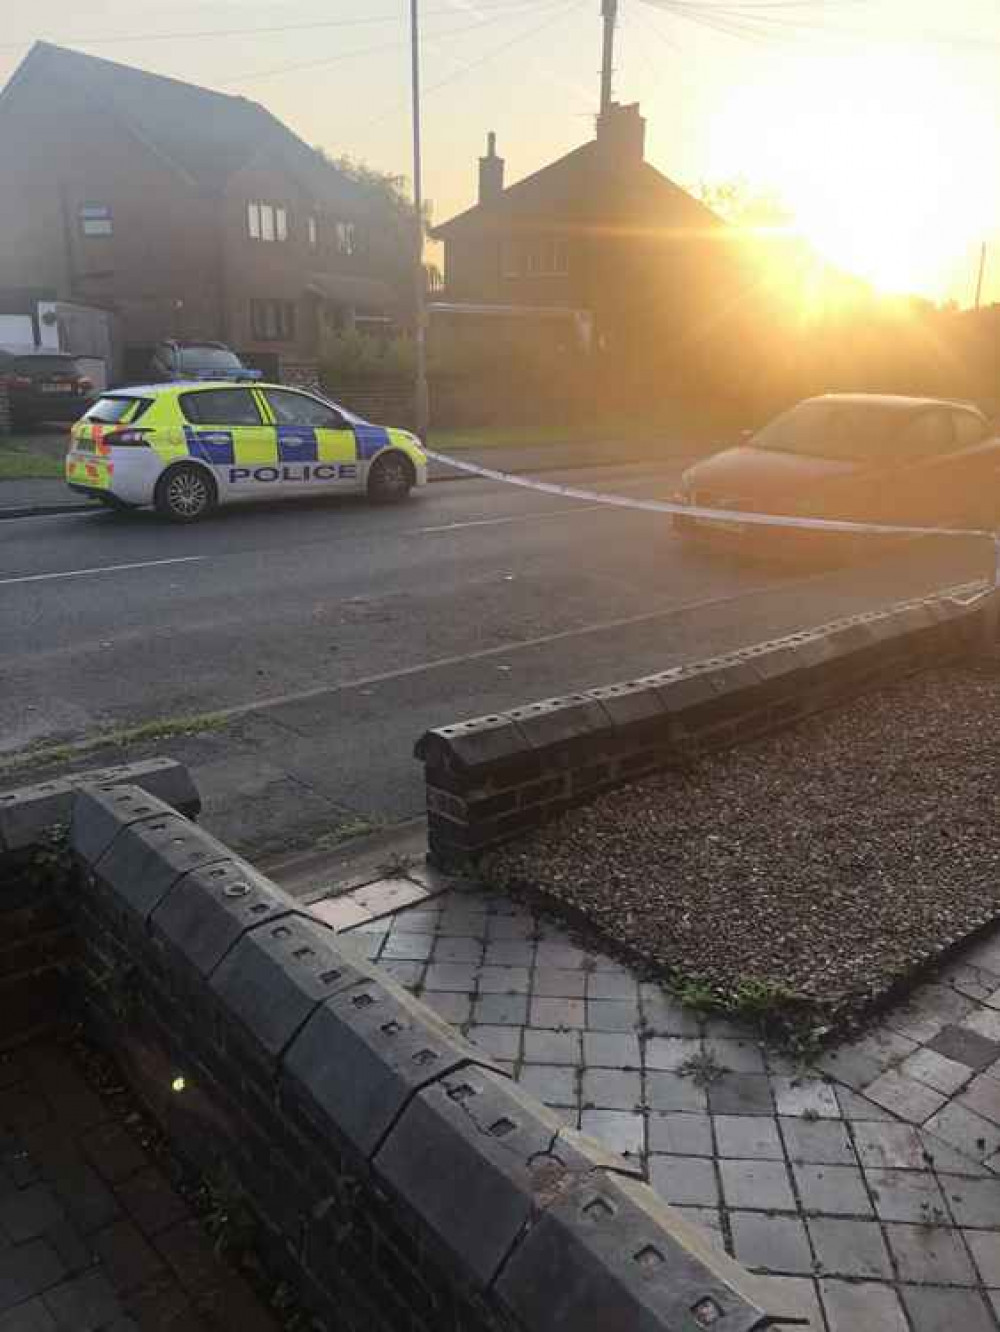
<point>347,238</point>
<point>510,260</point>
<point>558,258</point>
<point>272,321</point>
<point>549,259</point>
<point>313,232</point>
<point>95,219</point>
<point>266,222</point>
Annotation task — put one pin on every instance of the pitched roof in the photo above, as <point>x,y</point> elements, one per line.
<point>559,191</point>
<point>205,135</point>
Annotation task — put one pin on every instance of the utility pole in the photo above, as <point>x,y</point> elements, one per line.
<point>982,269</point>
<point>609,12</point>
<point>421,395</point>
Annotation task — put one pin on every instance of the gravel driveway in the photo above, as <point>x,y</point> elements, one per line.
<point>827,861</point>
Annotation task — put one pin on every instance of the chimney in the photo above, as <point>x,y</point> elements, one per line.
<point>490,172</point>
<point>621,135</point>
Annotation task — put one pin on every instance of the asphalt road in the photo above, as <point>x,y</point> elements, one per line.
<point>334,633</point>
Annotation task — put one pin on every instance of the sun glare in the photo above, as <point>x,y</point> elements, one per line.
<point>883,159</point>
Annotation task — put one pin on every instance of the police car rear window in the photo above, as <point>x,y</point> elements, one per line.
<point>227,407</point>
<point>110,411</point>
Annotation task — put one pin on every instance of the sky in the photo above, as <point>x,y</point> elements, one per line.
<point>876,121</point>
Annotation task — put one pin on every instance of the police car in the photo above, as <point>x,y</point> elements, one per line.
<point>184,448</point>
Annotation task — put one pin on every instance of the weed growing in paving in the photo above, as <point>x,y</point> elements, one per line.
<point>397,863</point>
<point>697,994</point>
<point>355,825</point>
<point>760,998</point>
<point>702,1068</point>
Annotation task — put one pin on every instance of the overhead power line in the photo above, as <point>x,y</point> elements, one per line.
<point>209,34</point>
<point>772,21</point>
<point>504,46</point>
<point>522,12</point>
<point>488,56</point>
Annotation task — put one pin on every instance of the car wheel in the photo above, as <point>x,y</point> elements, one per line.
<point>185,494</point>
<point>391,479</point>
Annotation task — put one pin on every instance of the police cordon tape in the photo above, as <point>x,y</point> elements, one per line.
<point>722,515</point>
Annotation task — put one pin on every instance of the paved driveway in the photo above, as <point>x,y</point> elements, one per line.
<point>866,1186</point>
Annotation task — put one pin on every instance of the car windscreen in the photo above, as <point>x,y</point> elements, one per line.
<point>208,358</point>
<point>45,365</point>
<point>114,410</point>
<point>848,432</point>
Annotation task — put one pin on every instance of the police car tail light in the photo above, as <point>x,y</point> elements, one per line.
<point>127,437</point>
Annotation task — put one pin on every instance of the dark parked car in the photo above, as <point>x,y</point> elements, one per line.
<point>44,386</point>
<point>874,458</point>
<point>177,361</point>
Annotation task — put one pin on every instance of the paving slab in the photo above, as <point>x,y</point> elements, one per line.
<point>86,1220</point>
<point>871,1179</point>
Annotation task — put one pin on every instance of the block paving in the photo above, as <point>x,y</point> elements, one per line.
<point>867,1186</point>
<point>93,1238</point>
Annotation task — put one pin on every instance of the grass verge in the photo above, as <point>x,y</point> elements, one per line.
<point>123,738</point>
<point>638,432</point>
<point>18,462</point>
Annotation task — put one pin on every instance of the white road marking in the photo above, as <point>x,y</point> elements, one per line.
<point>510,518</point>
<point>49,517</point>
<point>567,512</point>
<point>102,569</point>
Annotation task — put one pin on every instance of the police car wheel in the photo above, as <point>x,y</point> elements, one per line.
<point>390,479</point>
<point>185,494</point>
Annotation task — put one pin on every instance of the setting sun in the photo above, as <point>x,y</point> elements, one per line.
<point>882,159</point>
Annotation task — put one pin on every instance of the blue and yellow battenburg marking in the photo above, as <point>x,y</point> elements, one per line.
<point>211,446</point>
<point>297,444</point>
<point>370,439</point>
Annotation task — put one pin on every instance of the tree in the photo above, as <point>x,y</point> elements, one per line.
<point>740,204</point>
<point>393,212</point>
<point>387,192</point>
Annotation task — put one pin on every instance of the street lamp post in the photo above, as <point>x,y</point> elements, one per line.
<point>422,403</point>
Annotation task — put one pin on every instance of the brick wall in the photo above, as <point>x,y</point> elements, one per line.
<point>301,374</point>
<point>493,396</point>
<point>35,941</point>
<point>494,777</point>
<point>402,1183</point>
<point>34,953</point>
<point>386,402</point>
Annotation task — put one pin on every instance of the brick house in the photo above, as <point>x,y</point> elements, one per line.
<point>598,230</point>
<point>188,212</point>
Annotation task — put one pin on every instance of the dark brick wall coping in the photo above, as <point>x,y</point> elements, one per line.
<point>492,778</point>
<point>403,1181</point>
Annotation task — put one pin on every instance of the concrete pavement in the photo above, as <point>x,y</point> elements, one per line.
<point>330,635</point>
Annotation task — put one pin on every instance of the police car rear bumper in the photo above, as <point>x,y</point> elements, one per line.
<point>130,474</point>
